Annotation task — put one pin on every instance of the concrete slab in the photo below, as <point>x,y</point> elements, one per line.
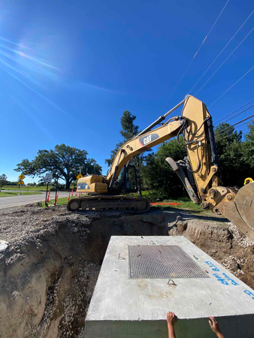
<point>122,306</point>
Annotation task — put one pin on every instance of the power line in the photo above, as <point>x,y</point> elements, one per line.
<point>221,52</point>
<point>245,124</point>
<point>244,129</point>
<point>221,132</point>
<point>227,128</point>
<point>232,86</point>
<point>238,114</point>
<point>232,125</point>
<point>195,55</point>
<point>227,136</point>
<point>233,112</point>
<point>224,61</point>
<point>241,125</point>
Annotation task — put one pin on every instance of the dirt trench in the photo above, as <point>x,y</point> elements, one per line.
<point>50,267</point>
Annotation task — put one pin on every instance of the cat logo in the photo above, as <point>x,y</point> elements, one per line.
<point>148,139</point>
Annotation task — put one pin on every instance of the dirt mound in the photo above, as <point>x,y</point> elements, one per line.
<point>223,242</point>
<point>50,267</point>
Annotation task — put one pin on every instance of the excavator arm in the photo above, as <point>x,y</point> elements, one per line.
<point>140,143</point>
<point>195,124</point>
<point>199,172</point>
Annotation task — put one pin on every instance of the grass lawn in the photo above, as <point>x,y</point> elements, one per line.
<point>183,203</point>
<point>60,201</point>
<point>25,188</point>
<point>15,193</point>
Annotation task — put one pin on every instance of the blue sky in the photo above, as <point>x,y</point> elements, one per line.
<point>69,69</point>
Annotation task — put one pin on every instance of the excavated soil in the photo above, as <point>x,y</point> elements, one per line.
<point>50,267</point>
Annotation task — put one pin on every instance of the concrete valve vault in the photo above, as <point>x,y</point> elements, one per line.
<point>142,278</point>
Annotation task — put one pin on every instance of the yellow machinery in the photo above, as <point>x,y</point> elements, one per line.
<point>198,172</point>
<point>248,180</point>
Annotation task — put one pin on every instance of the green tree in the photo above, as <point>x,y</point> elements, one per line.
<point>233,167</point>
<point>63,162</point>
<point>128,131</point>
<point>113,153</point>
<point>3,181</point>
<point>159,176</point>
<point>249,147</point>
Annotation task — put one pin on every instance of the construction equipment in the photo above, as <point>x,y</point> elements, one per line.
<point>248,180</point>
<point>198,172</point>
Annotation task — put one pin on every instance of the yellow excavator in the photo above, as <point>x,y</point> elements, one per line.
<point>198,171</point>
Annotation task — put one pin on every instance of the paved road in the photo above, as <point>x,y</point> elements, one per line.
<point>24,190</point>
<point>15,201</point>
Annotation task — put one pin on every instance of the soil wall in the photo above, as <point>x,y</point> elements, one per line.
<point>49,270</point>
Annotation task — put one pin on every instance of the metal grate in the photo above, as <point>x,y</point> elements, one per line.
<point>162,261</point>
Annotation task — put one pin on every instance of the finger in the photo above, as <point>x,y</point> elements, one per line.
<point>169,315</point>
<point>212,319</point>
<point>210,323</point>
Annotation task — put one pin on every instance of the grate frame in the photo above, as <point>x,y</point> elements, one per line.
<point>162,262</point>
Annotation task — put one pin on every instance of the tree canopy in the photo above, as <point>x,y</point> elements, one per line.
<point>3,180</point>
<point>249,149</point>
<point>128,131</point>
<point>158,175</point>
<point>63,162</point>
<point>233,165</point>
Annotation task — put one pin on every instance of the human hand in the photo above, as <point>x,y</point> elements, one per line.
<point>214,325</point>
<point>171,318</point>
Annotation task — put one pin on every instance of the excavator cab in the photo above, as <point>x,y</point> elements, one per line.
<point>131,180</point>
<point>127,181</point>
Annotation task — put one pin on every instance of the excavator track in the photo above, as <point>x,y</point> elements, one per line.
<point>113,203</point>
